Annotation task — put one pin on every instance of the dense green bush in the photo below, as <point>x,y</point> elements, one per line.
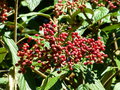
<point>59,45</point>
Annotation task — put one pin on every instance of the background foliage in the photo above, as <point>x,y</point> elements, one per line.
<point>94,21</point>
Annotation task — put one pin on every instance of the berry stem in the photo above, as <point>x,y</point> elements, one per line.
<point>39,73</point>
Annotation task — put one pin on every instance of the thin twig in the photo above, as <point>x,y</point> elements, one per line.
<point>21,40</point>
<point>15,20</point>
<point>4,71</point>
<point>39,73</point>
<point>115,41</point>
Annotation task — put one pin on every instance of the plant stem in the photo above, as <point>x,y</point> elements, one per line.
<point>39,73</point>
<point>21,40</point>
<point>115,41</point>
<point>15,20</point>
<point>4,71</point>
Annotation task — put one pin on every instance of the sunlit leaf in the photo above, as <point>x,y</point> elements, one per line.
<point>32,4</point>
<point>100,13</point>
<point>117,86</point>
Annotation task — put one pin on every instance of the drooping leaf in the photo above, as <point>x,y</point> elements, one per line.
<point>23,85</point>
<point>117,86</point>
<point>111,27</point>
<point>3,53</point>
<point>32,4</point>
<point>46,9</point>
<point>12,48</point>
<point>33,14</point>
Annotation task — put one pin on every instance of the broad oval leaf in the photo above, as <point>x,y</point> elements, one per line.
<point>100,13</point>
<point>32,4</point>
<point>117,86</point>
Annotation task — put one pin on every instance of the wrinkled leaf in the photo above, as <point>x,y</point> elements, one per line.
<point>32,4</point>
<point>100,13</point>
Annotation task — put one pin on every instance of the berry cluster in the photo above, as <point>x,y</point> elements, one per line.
<point>62,49</point>
<point>112,4</point>
<point>4,9</point>
<point>68,6</point>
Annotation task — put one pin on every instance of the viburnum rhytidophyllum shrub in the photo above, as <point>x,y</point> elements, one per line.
<point>58,49</point>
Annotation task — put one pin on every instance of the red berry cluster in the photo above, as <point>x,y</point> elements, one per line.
<point>63,8</point>
<point>4,9</point>
<point>63,50</point>
<point>112,4</point>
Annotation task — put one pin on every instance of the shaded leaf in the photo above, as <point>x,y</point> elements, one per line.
<point>105,75</point>
<point>111,27</point>
<point>3,53</point>
<point>23,85</point>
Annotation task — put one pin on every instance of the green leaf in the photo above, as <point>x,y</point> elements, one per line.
<point>117,86</point>
<point>105,76</point>
<point>96,85</point>
<point>100,13</point>
<point>47,44</point>
<point>3,53</point>
<point>117,62</point>
<point>3,80</point>
<point>65,18</point>
<point>83,87</point>
<point>50,83</point>
<point>47,8</point>
<point>32,4</point>
<point>23,85</point>
<point>82,28</point>
<point>111,27</point>
<point>12,48</point>
<point>33,14</point>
